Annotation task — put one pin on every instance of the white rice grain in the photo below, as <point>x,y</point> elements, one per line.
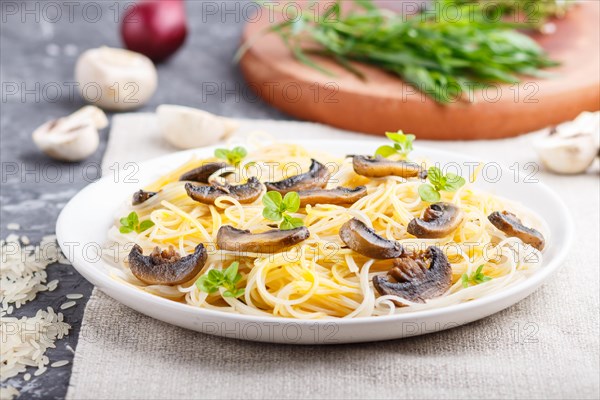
<point>61,363</point>
<point>68,304</point>
<point>26,339</point>
<point>8,393</point>
<point>74,296</point>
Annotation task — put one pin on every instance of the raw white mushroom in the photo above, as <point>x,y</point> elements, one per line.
<point>187,128</point>
<point>571,147</point>
<point>115,79</point>
<point>71,138</point>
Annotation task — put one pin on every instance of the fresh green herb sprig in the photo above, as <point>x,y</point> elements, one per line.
<point>476,278</point>
<point>438,182</point>
<point>446,59</point>
<point>403,145</point>
<point>233,156</point>
<point>215,279</point>
<point>277,209</point>
<point>131,223</point>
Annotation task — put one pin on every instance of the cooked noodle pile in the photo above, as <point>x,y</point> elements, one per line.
<point>320,277</point>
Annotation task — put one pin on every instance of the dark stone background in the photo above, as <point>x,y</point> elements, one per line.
<point>38,49</point>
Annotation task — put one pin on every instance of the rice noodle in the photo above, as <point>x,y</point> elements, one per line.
<point>320,277</point>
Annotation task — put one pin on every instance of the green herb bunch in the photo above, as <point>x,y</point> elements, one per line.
<point>438,182</point>
<point>132,223</point>
<point>444,58</point>
<point>233,156</point>
<point>228,279</point>
<point>402,145</point>
<point>277,209</point>
<point>475,278</point>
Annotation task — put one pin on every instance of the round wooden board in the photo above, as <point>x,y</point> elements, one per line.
<point>384,103</point>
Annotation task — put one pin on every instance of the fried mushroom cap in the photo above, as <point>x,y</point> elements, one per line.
<point>203,172</point>
<point>337,196</point>
<point>379,167</point>
<point>511,225</point>
<point>363,240</point>
<point>141,196</point>
<point>439,220</point>
<point>316,177</point>
<point>166,267</point>
<point>417,277</point>
<point>230,238</point>
<point>208,194</point>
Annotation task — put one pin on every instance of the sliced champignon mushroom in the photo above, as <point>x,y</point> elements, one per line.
<point>417,277</point>
<point>363,240</point>
<point>230,238</point>
<point>316,177</point>
<point>379,167</point>
<point>140,196</point>
<point>439,220</point>
<point>203,172</point>
<point>207,194</point>
<point>339,196</point>
<point>166,267</point>
<point>510,224</point>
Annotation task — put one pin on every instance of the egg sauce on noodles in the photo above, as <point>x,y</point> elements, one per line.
<point>320,277</point>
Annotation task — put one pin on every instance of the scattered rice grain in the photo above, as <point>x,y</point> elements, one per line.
<point>68,304</point>
<point>8,393</point>
<point>24,340</point>
<point>74,296</point>
<point>61,363</point>
<point>13,226</point>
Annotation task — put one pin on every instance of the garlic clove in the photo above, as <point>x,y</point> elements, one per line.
<point>115,79</point>
<point>187,127</point>
<point>71,138</point>
<point>571,147</point>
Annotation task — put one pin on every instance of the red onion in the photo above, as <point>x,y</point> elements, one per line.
<point>155,28</point>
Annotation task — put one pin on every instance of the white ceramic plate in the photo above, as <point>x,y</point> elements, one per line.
<point>82,226</point>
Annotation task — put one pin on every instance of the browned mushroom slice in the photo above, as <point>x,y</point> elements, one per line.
<point>439,220</point>
<point>166,267</point>
<point>230,238</point>
<point>417,277</point>
<point>379,167</point>
<point>140,196</point>
<point>363,240</point>
<point>510,224</point>
<point>316,177</point>
<point>202,173</point>
<point>339,196</point>
<point>207,194</point>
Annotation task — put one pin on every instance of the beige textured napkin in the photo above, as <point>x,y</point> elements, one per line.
<point>546,346</point>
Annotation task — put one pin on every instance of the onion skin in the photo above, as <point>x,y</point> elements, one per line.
<point>155,28</point>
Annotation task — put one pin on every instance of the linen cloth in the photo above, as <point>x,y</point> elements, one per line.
<point>546,346</point>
